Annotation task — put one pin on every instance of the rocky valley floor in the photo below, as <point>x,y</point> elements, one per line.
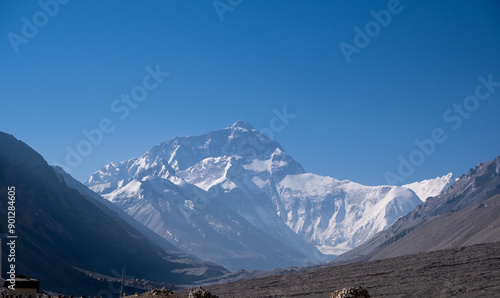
<point>464,272</point>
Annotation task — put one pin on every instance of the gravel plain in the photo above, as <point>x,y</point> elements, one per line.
<point>472,271</point>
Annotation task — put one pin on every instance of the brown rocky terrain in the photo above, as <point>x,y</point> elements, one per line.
<point>165,293</point>
<point>156,293</point>
<point>472,271</point>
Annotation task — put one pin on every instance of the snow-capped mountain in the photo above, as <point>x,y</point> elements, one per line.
<point>431,187</point>
<point>463,214</point>
<point>336,216</point>
<point>235,197</point>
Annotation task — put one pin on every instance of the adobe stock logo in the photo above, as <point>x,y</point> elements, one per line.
<point>254,145</point>
<point>455,117</point>
<point>277,123</point>
<point>223,6</point>
<point>40,19</point>
<point>121,107</point>
<point>363,36</point>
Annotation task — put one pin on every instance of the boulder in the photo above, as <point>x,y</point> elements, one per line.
<point>356,292</point>
<point>201,293</point>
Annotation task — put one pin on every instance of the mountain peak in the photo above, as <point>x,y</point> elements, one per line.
<point>242,124</point>
<point>431,187</point>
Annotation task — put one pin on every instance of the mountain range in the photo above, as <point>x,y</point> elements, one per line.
<point>236,198</point>
<point>464,214</point>
<point>448,246</point>
<point>193,206</point>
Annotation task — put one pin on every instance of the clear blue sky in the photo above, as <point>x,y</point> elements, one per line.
<point>353,120</point>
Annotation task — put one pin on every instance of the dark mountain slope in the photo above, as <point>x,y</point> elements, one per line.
<point>197,267</point>
<point>470,226</point>
<point>60,231</point>
<point>115,212</point>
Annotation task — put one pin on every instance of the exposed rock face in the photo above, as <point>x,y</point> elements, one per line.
<point>201,293</point>
<point>350,293</point>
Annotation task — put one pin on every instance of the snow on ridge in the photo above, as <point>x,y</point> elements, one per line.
<point>242,125</point>
<point>338,215</point>
<point>309,184</point>
<point>259,165</point>
<point>431,187</point>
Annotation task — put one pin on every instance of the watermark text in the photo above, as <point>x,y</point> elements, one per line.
<point>454,117</point>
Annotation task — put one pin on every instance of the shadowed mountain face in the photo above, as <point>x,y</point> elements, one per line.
<point>61,232</point>
<point>434,224</point>
<point>173,253</point>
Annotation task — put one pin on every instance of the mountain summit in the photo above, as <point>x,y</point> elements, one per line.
<point>235,197</point>
<point>242,125</point>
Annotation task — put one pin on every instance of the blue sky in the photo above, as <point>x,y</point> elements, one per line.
<point>354,120</point>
